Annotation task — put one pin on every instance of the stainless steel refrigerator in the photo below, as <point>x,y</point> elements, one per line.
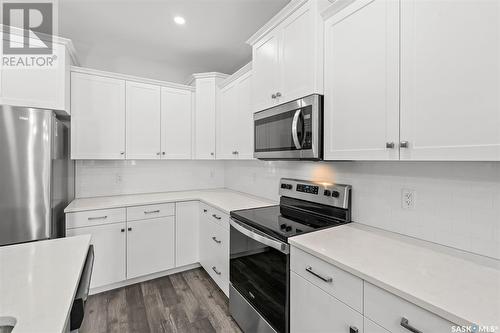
<point>34,174</point>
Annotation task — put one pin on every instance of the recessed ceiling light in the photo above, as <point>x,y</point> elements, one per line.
<point>179,20</point>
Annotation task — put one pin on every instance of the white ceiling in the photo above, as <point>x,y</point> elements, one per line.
<point>139,37</point>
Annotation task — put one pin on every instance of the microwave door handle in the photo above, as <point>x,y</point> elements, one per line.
<point>295,135</point>
<point>280,246</point>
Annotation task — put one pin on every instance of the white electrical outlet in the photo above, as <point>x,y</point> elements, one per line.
<point>407,198</point>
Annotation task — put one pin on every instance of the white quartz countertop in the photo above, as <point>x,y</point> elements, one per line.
<point>38,282</point>
<point>223,199</point>
<point>451,284</point>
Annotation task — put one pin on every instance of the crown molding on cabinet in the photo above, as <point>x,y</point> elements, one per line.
<point>337,6</point>
<point>130,78</point>
<point>233,77</point>
<point>55,39</point>
<point>276,20</point>
<point>206,75</point>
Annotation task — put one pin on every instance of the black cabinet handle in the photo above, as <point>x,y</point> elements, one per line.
<point>122,230</point>
<point>129,229</point>
<point>327,279</point>
<point>353,329</point>
<point>204,210</point>
<point>217,217</point>
<point>406,324</point>
<point>216,240</point>
<point>215,270</point>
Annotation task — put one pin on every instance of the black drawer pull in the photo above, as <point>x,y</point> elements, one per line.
<point>353,329</point>
<point>327,279</point>
<point>215,270</point>
<point>216,217</point>
<point>152,212</point>
<point>98,218</point>
<point>216,240</point>
<point>406,324</point>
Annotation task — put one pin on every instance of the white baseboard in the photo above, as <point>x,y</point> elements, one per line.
<point>153,276</point>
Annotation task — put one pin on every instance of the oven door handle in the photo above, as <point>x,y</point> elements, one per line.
<point>260,237</point>
<point>295,134</point>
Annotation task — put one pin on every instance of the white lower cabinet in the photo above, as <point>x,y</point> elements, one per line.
<point>394,313</point>
<point>110,243</point>
<point>315,311</point>
<point>187,218</point>
<point>214,246</point>
<point>150,246</point>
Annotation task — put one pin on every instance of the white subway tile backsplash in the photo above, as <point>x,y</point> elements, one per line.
<point>457,204</point>
<point>102,178</point>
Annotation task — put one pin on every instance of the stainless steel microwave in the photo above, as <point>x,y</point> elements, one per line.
<point>293,130</point>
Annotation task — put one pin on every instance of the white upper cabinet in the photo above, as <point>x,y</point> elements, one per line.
<point>234,128</point>
<point>98,117</point>
<point>205,112</point>
<point>176,123</point>
<point>288,55</point>
<point>361,113</point>
<point>450,80</point>
<point>46,87</point>
<point>143,127</point>
<point>266,72</point>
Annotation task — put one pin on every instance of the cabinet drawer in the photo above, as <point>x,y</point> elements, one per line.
<point>388,310</point>
<point>342,285</point>
<point>95,217</point>
<point>313,310</point>
<point>150,211</point>
<point>215,215</point>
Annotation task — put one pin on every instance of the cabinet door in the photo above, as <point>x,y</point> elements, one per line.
<point>298,55</point>
<point>362,82</point>
<point>265,72</point>
<point>334,316</point>
<point>205,119</point>
<point>450,80</point>
<point>150,246</point>
<point>243,131</point>
<point>39,87</point>
<point>228,122</point>
<point>97,117</point>
<point>176,123</point>
<point>109,249</point>
<point>206,255</point>
<point>187,217</point>
<point>143,121</point>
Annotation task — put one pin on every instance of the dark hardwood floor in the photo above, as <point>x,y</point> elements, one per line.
<point>185,302</point>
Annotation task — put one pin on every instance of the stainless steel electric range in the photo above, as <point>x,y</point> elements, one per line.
<point>259,294</point>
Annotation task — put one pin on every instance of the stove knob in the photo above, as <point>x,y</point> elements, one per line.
<point>283,226</point>
<point>327,193</point>
<point>283,185</point>
<point>335,194</point>
<point>289,187</point>
<point>288,228</point>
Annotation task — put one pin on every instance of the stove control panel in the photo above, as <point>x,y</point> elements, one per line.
<point>337,195</point>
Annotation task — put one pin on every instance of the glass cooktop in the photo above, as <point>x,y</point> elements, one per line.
<point>282,222</point>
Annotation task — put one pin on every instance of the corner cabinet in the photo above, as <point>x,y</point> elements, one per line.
<point>288,55</point>
<point>411,80</point>
<point>205,112</point>
<point>234,117</point>
<point>98,117</point>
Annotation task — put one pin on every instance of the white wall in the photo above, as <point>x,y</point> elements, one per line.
<point>457,203</point>
<point>102,178</point>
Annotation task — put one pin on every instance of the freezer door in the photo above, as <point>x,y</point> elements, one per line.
<point>25,174</point>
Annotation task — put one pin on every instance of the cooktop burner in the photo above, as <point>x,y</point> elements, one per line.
<point>304,207</point>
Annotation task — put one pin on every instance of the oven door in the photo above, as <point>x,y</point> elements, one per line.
<point>259,275</point>
<point>290,131</point>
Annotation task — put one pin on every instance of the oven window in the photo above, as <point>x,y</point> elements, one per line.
<point>260,274</point>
